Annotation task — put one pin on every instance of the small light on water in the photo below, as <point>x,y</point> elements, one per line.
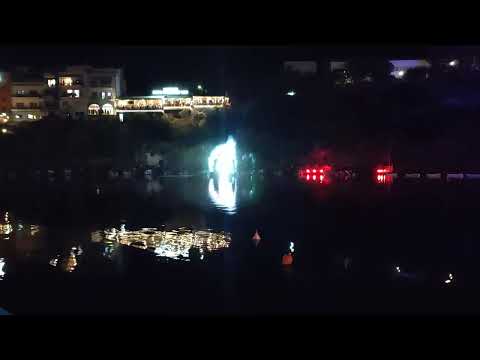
<point>2,265</point>
<point>448,281</point>
<point>397,268</point>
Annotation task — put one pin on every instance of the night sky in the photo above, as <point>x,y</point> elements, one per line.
<point>219,68</point>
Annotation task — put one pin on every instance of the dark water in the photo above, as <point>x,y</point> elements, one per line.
<point>183,246</point>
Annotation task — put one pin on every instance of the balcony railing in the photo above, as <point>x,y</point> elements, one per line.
<point>73,83</point>
<point>67,95</point>
<point>29,94</point>
<point>28,107</point>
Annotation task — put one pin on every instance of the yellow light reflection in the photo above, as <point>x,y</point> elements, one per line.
<point>174,244</point>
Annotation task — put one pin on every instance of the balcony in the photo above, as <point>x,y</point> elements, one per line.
<point>27,94</point>
<point>69,95</point>
<point>27,107</point>
<point>71,83</point>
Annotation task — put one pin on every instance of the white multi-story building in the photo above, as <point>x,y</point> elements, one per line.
<point>27,99</point>
<point>87,90</point>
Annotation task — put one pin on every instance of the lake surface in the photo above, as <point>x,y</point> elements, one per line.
<point>183,246</point>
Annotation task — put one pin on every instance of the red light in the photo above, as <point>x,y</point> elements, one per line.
<point>308,171</point>
<point>308,177</point>
<point>314,177</point>
<point>385,170</point>
<point>321,178</point>
<point>321,171</point>
<point>314,171</point>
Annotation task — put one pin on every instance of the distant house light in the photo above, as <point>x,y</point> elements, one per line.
<point>453,63</point>
<point>401,73</point>
<point>170,91</point>
<point>199,87</point>
<point>291,93</point>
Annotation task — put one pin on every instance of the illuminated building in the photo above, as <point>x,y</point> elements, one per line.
<point>27,90</point>
<point>73,91</point>
<point>5,94</point>
<point>87,90</point>
<point>173,244</point>
<point>169,99</point>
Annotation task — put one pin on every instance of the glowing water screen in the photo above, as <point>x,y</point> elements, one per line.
<point>222,162</point>
<point>223,158</point>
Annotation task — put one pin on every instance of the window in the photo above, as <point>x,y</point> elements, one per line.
<point>51,82</point>
<point>93,109</point>
<point>31,117</point>
<point>20,105</point>
<point>103,95</point>
<point>33,105</point>
<point>20,92</point>
<point>74,93</point>
<point>107,109</point>
<point>18,116</point>
<point>109,95</point>
<point>66,81</point>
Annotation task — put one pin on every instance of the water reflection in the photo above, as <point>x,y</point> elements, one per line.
<point>2,266</point>
<point>174,244</point>
<point>222,190</point>
<point>67,262</point>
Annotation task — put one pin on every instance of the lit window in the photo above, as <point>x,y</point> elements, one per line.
<point>51,82</point>
<point>107,109</point>
<point>20,92</point>
<point>30,116</point>
<point>103,94</point>
<point>75,93</point>
<point>109,95</point>
<point>66,81</point>
<point>18,116</point>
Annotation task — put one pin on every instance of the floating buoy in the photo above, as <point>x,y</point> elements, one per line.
<point>256,238</point>
<point>287,259</point>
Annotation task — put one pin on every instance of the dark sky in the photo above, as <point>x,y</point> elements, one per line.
<point>218,67</point>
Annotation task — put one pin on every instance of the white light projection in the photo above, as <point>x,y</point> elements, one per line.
<point>223,163</point>
<point>223,158</point>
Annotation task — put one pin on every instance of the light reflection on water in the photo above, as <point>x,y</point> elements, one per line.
<point>2,265</point>
<point>173,244</point>
<point>223,192</point>
<point>67,263</point>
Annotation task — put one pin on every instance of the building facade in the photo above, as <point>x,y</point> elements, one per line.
<point>73,92</point>
<point>169,99</point>
<point>27,99</point>
<point>5,93</point>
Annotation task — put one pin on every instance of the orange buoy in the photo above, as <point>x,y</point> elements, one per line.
<point>256,238</point>
<point>287,259</point>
